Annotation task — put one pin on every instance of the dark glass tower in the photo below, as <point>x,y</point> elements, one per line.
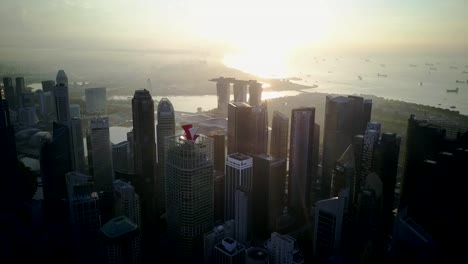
<point>301,165</point>
<point>8,161</point>
<point>255,93</point>
<point>279,135</point>
<point>259,126</point>
<point>145,162</point>
<point>239,128</point>
<point>165,128</point>
<point>9,90</point>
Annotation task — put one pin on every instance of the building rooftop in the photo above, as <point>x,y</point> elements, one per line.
<point>257,253</point>
<point>239,156</point>
<point>230,246</point>
<point>118,226</point>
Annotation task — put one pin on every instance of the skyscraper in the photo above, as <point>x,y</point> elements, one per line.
<point>328,224</point>
<point>48,86</point>
<point>189,170</point>
<point>62,104</point>
<point>219,141</point>
<point>9,193</point>
<point>55,163</point>
<point>165,128</point>
<point>20,88</point>
<point>336,136</point>
<point>75,111</point>
<point>214,237</point>
<point>240,91</point>
<point>255,93</point>
<point>78,161</point>
<point>239,173</point>
<point>223,91</point>
<point>61,79</point>
<point>145,157</point>
<point>96,100</point>
<point>239,128</point>
<point>371,137</point>
<point>259,128</point>
<point>99,153</point>
<point>268,191</point>
<point>9,90</point>
<point>301,160</point>
<point>120,241</point>
<point>127,202</point>
<point>243,215</point>
<point>279,135</point>
<point>229,251</point>
<point>284,249</point>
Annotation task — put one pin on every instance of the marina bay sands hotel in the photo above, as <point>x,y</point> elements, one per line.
<point>240,88</point>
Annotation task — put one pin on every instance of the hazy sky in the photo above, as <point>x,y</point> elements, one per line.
<point>272,27</point>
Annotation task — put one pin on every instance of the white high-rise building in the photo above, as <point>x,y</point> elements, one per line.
<point>283,250</point>
<point>238,174</point>
<point>99,153</point>
<point>96,100</point>
<point>127,202</point>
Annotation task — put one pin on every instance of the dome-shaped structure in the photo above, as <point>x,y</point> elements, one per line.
<point>62,78</point>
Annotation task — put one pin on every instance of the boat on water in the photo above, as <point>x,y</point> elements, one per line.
<point>381,75</point>
<point>465,72</point>
<point>452,90</point>
<point>453,107</point>
<point>360,77</point>
<point>420,83</point>
<point>433,69</point>
<point>458,81</point>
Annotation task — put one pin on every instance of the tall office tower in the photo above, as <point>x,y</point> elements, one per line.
<point>361,110</point>
<point>269,182</point>
<point>411,243</point>
<point>20,88</point>
<point>61,78</point>
<point>243,215</point>
<point>218,195</point>
<point>10,190</point>
<point>55,163</point>
<point>300,160</point>
<point>28,99</point>
<point>214,237</point>
<point>283,249</point>
<point>75,111</point>
<point>165,128</point>
<point>239,128</point>
<point>255,93</point>
<point>62,105</point>
<point>259,128</point>
<point>256,255</point>
<point>229,251</point>
<point>120,158</point>
<point>120,241</point>
<point>344,174</point>
<point>337,136</point>
<point>371,137</point>
<point>48,86</point>
<point>279,135</point>
<point>99,153</point>
<point>127,202</point>
<point>96,100</point>
<point>78,162</point>
<point>189,190</point>
<point>385,164</point>
<point>328,225</point>
<point>9,90</point>
<point>131,152</point>
<point>144,151</point>
<point>315,181</point>
<point>46,103</point>
<point>219,141</point>
<point>223,90</point>
<point>85,220</point>
<point>27,116</point>
<point>424,140</point>
<point>239,173</point>
<point>240,91</point>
